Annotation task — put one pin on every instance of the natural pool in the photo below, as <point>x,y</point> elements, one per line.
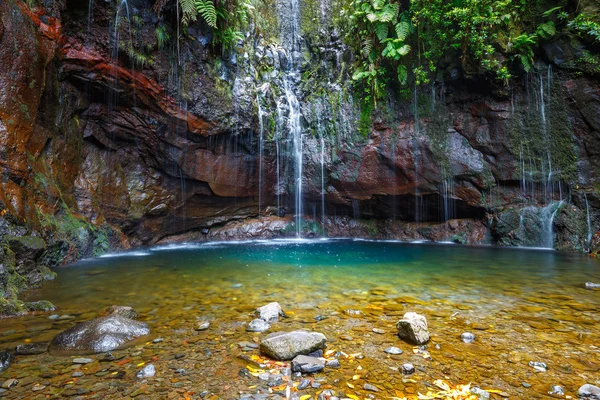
<point>522,305</point>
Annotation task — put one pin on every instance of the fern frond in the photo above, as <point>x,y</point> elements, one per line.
<point>188,11</point>
<point>404,50</point>
<point>402,30</point>
<point>402,74</point>
<point>381,30</point>
<point>206,8</point>
<point>367,46</point>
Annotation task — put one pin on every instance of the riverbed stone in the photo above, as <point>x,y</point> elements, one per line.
<point>31,348</point>
<point>258,325</point>
<point>6,359</point>
<point>270,312</point>
<point>287,345</point>
<point>393,350</point>
<point>467,337</point>
<point>592,285</point>
<point>147,372</point>
<point>588,391</point>
<point>307,364</point>
<point>413,328</point>
<point>99,335</point>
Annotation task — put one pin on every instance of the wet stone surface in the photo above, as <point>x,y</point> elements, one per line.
<point>518,319</point>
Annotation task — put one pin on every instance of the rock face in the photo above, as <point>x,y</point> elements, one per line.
<point>98,335</point>
<point>413,328</point>
<point>287,345</point>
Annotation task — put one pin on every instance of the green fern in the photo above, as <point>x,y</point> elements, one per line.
<point>402,30</point>
<point>206,8</point>
<point>367,46</point>
<point>381,30</point>
<point>188,11</point>
<point>404,50</point>
<point>402,74</point>
<point>546,30</point>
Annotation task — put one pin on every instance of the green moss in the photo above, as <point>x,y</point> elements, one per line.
<point>41,305</point>
<point>364,124</point>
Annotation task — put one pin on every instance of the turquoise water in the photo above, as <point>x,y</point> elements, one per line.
<point>523,305</point>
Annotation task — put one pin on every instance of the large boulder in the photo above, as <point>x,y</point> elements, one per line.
<point>287,345</point>
<point>99,335</point>
<point>413,328</point>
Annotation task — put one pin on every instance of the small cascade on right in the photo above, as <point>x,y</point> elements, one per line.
<point>589,224</point>
<point>540,184</point>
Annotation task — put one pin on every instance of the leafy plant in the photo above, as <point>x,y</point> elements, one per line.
<point>162,36</point>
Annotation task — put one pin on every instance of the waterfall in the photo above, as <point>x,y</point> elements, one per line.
<point>415,143</point>
<point>289,11</point>
<point>261,132</point>
<point>589,222</point>
<point>322,139</point>
<point>547,215</point>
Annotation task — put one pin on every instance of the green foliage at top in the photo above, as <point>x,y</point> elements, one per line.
<point>382,30</point>
<point>496,38</point>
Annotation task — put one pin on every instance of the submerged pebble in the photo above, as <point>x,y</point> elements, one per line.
<point>147,372</point>
<point>557,390</point>
<point>82,360</point>
<point>538,366</point>
<point>408,369</point>
<point>393,350</point>
<point>467,337</point>
<point>202,326</point>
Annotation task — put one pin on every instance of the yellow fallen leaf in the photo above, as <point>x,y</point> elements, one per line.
<point>351,386</point>
<point>140,364</point>
<point>305,397</point>
<point>353,397</point>
<point>356,377</point>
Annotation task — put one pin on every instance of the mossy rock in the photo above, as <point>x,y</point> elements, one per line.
<point>26,244</point>
<point>41,305</point>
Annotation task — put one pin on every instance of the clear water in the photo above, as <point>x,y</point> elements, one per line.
<point>522,305</point>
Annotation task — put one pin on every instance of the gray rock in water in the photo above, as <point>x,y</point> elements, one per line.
<point>31,348</point>
<point>592,285</point>
<point>413,328</point>
<point>480,393</point>
<point>287,345</point>
<point>99,335</point>
<point>307,364</point>
<point>5,360</point>
<point>147,372</point>
<point>270,312</point>
<point>202,326</point>
<point>304,383</point>
<point>258,325</point>
<point>123,311</point>
<point>588,391</point>
<point>467,337</point>
<point>370,387</point>
<point>408,369</point>
<point>393,350</point>
<point>82,360</point>
<point>538,365</point>
<point>333,364</point>
<point>557,390</point>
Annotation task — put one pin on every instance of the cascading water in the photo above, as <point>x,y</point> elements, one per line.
<point>589,222</point>
<point>261,132</point>
<point>289,11</point>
